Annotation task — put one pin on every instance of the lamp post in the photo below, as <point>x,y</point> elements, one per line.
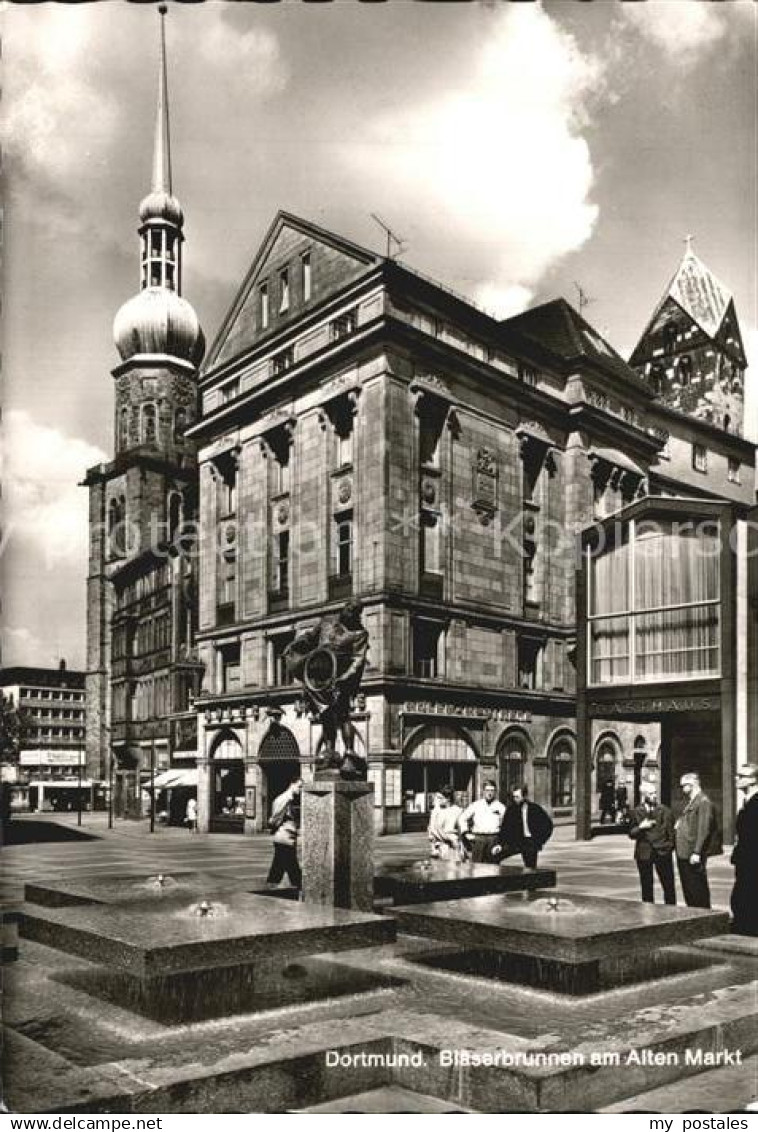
<point>152,788</point>
<point>110,792</point>
<point>79,791</point>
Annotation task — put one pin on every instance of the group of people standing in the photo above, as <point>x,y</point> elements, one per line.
<point>693,838</point>
<point>487,830</point>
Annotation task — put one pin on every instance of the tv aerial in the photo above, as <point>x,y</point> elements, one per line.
<point>399,243</point>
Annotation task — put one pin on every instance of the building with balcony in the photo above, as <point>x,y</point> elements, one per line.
<point>51,773</point>
<point>365,433</point>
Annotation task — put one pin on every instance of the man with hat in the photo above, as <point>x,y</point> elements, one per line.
<point>744,899</point>
<point>652,830</point>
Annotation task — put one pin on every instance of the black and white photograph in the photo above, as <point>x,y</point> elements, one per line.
<point>379,628</point>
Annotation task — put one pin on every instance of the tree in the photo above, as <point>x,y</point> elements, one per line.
<point>13,724</point>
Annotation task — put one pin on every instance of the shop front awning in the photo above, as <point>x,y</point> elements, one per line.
<point>169,779</point>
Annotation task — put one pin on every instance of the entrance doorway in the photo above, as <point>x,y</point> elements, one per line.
<point>279,759</point>
<point>227,784</point>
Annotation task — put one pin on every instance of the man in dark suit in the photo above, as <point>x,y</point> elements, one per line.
<point>525,828</point>
<point>696,835</point>
<point>652,830</point>
<point>744,899</point>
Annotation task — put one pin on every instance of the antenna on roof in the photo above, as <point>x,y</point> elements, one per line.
<point>400,242</point>
<point>582,296</point>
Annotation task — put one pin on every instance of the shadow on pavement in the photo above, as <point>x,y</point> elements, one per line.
<point>29,832</point>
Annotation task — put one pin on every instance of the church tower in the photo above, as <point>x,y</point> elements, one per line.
<point>691,352</point>
<point>141,592</point>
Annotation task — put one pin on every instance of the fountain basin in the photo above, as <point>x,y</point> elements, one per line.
<point>448,880</point>
<point>126,889</point>
<point>566,942</point>
<point>151,938</point>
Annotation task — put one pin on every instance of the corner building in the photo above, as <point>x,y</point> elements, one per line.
<point>366,433</point>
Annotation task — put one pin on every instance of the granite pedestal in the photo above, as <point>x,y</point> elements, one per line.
<point>166,960</point>
<point>566,942</point>
<point>338,844</point>
<point>421,883</point>
<point>127,889</point>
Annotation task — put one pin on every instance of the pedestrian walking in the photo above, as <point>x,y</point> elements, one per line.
<point>190,815</point>
<point>284,823</point>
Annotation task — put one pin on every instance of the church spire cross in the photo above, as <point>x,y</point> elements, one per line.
<point>161,182</point>
<point>688,243</point>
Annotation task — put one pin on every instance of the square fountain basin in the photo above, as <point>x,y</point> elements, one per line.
<point>584,929</point>
<point>126,889</point>
<point>153,938</point>
<point>448,880</point>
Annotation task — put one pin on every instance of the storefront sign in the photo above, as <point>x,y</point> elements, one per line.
<point>51,758</point>
<point>653,707</point>
<point>466,711</point>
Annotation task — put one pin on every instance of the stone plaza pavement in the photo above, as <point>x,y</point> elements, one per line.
<point>601,867</point>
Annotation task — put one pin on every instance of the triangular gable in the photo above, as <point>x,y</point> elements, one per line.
<point>697,291</point>
<point>729,337</point>
<point>335,262</point>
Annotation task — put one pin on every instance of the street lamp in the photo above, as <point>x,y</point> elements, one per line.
<point>110,792</point>
<point>152,788</point>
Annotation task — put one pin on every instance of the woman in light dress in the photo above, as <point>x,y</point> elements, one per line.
<point>444,835</point>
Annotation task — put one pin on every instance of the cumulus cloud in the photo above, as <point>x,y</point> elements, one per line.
<point>500,161</point>
<point>686,30</point>
<point>43,505</point>
<point>252,56</point>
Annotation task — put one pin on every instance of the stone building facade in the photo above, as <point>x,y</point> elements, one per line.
<point>365,433</point>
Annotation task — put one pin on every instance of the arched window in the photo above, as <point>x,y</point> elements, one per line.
<point>511,758</point>
<point>562,773</point>
<point>180,424</point>
<point>149,424</point>
<point>117,526</point>
<point>605,763</point>
<point>123,428</point>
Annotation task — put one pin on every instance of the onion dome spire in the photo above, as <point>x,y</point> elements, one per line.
<point>158,320</point>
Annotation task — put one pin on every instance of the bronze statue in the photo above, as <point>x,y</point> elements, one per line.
<point>329,661</point>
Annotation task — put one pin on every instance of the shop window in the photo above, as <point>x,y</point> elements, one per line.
<point>512,765</point>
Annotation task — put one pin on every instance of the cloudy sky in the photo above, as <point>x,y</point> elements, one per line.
<point>519,148</point>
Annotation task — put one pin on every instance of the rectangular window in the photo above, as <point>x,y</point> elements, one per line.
<point>284,290</point>
<point>344,325</point>
<point>530,663</point>
<point>231,673</point>
<point>278,669</point>
<point>305,262</point>
<point>527,374</point>
<point>344,546</point>
<point>229,391</point>
<point>280,472</point>
<point>733,470</point>
<point>282,361</point>
<point>654,612</point>
<point>282,562</point>
<point>344,442</point>
<point>431,557</point>
<point>427,645</point>
<point>699,458</point>
<point>264,312</point>
<point>432,416</point>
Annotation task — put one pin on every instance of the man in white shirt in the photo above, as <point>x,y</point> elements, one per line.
<point>481,823</point>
